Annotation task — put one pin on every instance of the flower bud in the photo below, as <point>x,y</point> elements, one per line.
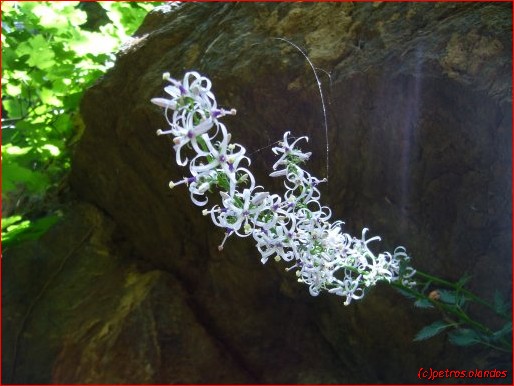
<point>204,187</point>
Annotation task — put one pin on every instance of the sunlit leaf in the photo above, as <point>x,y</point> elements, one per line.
<point>39,50</point>
<point>28,230</point>
<point>60,16</point>
<point>8,221</point>
<point>13,107</point>
<point>49,97</point>
<point>94,43</point>
<point>53,150</point>
<point>29,126</point>
<point>61,86</point>
<point>13,232</point>
<point>13,89</point>
<point>48,61</point>
<point>22,76</point>
<point>15,150</point>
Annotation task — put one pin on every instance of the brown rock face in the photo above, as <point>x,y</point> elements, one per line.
<point>419,114</point>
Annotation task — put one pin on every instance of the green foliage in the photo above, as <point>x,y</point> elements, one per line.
<point>423,303</point>
<point>452,299</point>
<point>470,336</point>
<point>464,337</point>
<point>431,330</point>
<point>15,229</point>
<point>49,58</point>
<point>500,305</point>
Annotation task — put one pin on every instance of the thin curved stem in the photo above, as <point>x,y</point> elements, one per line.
<point>461,289</point>
<point>461,315</point>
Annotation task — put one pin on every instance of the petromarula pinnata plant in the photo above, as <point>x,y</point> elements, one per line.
<point>294,228</point>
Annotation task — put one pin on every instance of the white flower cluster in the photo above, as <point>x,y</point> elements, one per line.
<point>294,227</point>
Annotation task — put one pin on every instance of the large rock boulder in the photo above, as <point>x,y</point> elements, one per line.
<point>419,133</point>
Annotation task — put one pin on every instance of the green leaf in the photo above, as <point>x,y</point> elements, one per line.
<point>8,221</point>
<point>28,230</point>
<point>500,305</point>
<point>13,89</point>
<point>94,43</point>
<point>504,331</point>
<point>463,280</point>
<point>49,97</point>
<point>426,286</point>
<point>15,175</point>
<point>464,337</point>
<point>13,107</point>
<point>39,50</point>
<point>447,296</point>
<point>60,16</point>
<point>12,150</point>
<point>405,293</point>
<point>146,6</point>
<point>431,330</point>
<point>61,86</point>
<point>12,233</point>
<point>72,101</point>
<point>423,303</point>
<point>42,59</point>
<point>63,123</point>
<point>223,181</point>
<point>52,149</point>
<point>8,57</point>
<point>404,264</point>
<point>48,60</point>
<point>202,144</point>
<point>26,127</point>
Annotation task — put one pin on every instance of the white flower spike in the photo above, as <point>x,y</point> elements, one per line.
<point>295,227</point>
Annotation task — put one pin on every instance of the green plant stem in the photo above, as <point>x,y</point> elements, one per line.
<point>507,348</point>
<point>458,312</point>
<point>466,292</point>
<point>461,315</point>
